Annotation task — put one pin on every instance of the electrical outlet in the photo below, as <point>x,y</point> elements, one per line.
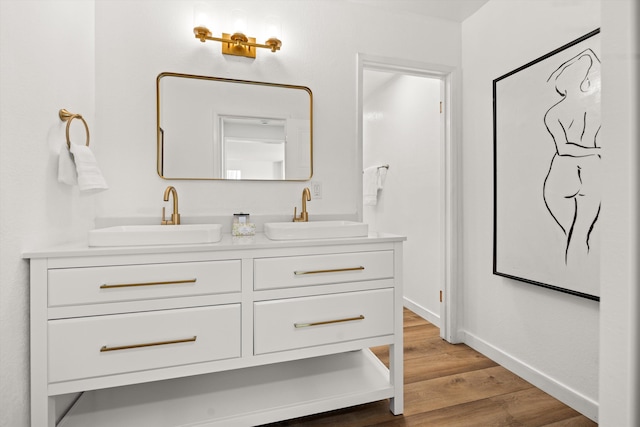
<point>316,190</point>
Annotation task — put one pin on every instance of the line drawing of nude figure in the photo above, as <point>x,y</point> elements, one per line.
<point>571,188</point>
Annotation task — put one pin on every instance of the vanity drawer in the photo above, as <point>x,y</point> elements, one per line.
<point>93,285</point>
<point>105,345</point>
<point>283,272</point>
<point>311,321</point>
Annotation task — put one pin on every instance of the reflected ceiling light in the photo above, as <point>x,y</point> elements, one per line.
<point>236,43</point>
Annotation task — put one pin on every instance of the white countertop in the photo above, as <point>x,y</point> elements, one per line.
<point>228,242</point>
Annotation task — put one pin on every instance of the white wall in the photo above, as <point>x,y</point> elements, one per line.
<point>104,65</point>
<point>401,128</point>
<point>549,338</point>
<point>320,43</point>
<point>46,63</point>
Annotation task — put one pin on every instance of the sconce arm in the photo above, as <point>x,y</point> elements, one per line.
<point>203,34</point>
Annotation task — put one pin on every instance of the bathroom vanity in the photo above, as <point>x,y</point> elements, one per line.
<point>241,332</point>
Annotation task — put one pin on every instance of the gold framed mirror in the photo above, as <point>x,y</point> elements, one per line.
<point>214,128</point>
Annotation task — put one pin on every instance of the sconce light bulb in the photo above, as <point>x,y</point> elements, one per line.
<point>201,16</point>
<point>273,28</point>
<point>239,22</point>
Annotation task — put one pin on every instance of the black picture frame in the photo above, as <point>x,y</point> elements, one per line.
<point>546,166</point>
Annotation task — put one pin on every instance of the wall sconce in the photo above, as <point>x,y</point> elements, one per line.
<point>236,43</point>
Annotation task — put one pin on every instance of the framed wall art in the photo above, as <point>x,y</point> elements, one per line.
<point>547,166</point>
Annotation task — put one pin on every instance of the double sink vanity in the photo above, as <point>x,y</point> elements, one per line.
<point>188,325</point>
<point>184,325</point>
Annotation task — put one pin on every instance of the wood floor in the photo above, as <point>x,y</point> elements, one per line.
<point>452,385</point>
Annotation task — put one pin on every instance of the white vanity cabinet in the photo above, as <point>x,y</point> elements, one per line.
<point>242,332</point>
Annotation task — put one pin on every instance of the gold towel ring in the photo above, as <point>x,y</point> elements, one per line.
<point>66,116</point>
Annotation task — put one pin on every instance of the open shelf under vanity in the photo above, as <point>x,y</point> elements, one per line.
<point>242,397</point>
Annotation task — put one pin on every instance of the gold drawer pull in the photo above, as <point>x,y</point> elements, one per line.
<point>130,285</point>
<point>336,270</point>
<point>150,344</point>
<point>328,322</point>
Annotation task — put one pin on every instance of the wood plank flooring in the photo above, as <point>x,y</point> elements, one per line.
<point>452,385</point>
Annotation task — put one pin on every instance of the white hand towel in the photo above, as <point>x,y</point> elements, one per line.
<point>89,175</point>
<point>66,168</point>
<point>372,181</point>
<point>382,175</point>
<point>370,186</point>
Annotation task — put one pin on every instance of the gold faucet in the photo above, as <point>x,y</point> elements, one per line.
<point>304,215</point>
<point>175,216</point>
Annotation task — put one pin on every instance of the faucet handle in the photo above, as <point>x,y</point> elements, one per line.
<point>164,220</point>
<point>295,213</point>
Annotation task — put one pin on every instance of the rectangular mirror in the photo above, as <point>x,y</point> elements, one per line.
<point>216,128</point>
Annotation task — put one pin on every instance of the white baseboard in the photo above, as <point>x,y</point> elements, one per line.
<point>427,315</point>
<point>565,394</point>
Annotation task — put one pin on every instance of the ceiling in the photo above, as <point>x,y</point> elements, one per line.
<point>452,10</point>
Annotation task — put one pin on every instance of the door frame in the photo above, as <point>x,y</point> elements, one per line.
<point>451,178</point>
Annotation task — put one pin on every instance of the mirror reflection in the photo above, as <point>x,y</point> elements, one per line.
<point>215,128</point>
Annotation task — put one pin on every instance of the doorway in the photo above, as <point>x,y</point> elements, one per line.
<point>404,131</point>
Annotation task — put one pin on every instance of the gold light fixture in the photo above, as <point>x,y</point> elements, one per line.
<point>236,43</point>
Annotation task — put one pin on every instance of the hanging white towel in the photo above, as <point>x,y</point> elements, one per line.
<point>382,175</point>
<point>89,174</point>
<point>372,181</point>
<point>66,168</point>
<point>370,186</point>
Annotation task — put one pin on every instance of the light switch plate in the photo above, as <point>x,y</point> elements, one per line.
<point>316,190</point>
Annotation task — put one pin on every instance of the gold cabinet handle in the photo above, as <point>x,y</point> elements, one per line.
<point>328,322</point>
<point>130,285</point>
<point>335,270</point>
<point>150,344</point>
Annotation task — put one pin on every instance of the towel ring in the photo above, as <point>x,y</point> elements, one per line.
<point>66,116</point>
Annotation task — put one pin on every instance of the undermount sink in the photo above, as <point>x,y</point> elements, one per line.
<point>135,235</point>
<point>314,230</point>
